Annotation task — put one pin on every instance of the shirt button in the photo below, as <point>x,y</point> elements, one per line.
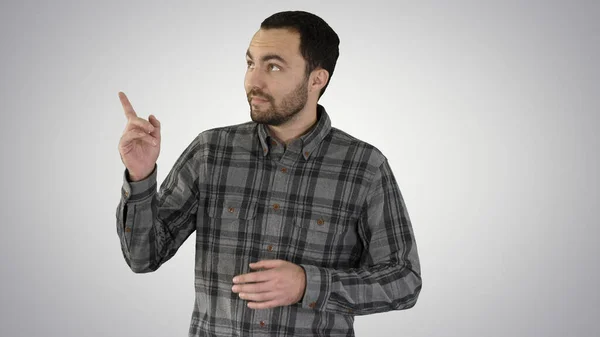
<point>128,229</point>
<point>231,209</point>
<point>320,222</point>
<point>312,305</point>
<point>283,169</point>
<point>276,206</point>
<point>262,323</point>
<point>270,248</point>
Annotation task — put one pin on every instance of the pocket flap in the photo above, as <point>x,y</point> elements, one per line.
<point>323,221</point>
<point>231,209</point>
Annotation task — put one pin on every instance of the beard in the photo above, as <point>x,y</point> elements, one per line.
<point>275,115</point>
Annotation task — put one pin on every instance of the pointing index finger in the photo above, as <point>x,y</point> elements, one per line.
<point>129,112</point>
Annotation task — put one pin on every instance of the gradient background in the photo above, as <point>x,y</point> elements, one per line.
<point>487,111</point>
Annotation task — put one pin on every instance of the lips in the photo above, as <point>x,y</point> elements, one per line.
<point>258,100</point>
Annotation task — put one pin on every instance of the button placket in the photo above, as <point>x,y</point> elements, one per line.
<point>275,206</point>
<point>262,318</point>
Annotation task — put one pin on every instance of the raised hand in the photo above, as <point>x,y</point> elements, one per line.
<point>139,145</point>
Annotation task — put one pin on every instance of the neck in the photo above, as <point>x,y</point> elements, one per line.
<point>296,127</point>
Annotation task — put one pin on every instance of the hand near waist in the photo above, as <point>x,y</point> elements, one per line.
<point>277,283</point>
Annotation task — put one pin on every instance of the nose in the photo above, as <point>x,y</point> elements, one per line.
<point>254,79</point>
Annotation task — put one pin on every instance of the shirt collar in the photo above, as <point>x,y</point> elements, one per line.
<point>310,140</point>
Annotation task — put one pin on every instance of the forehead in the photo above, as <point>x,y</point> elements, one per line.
<point>285,42</point>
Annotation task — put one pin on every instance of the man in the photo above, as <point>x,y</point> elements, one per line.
<point>299,226</point>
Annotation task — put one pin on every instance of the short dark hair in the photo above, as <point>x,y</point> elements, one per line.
<point>319,44</point>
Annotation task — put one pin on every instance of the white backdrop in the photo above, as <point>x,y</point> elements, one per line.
<point>486,111</point>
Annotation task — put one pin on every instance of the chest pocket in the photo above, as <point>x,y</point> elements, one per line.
<point>230,216</point>
<point>231,209</point>
<point>324,221</point>
<point>325,237</point>
<point>224,238</point>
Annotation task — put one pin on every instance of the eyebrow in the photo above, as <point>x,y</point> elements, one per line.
<point>268,57</point>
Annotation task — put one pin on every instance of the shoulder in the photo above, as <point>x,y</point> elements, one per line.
<point>219,136</point>
<point>368,152</point>
<point>238,137</point>
<point>246,128</point>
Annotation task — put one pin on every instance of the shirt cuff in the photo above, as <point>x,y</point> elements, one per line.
<point>138,191</point>
<point>317,287</point>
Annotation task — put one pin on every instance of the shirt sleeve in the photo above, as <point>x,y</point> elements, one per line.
<point>389,275</point>
<point>152,224</point>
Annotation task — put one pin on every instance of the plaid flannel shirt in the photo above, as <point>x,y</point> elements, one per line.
<point>327,202</point>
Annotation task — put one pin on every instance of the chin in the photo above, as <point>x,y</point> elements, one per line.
<point>256,116</point>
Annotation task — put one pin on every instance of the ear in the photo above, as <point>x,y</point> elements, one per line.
<point>318,79</point>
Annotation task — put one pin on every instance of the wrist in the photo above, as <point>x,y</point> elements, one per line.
<point>135,177</point>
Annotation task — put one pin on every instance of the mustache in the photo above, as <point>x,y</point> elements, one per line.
<point>258,94</point>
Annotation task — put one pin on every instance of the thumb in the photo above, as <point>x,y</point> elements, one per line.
<point>152,119</point>
<point>265,264</point>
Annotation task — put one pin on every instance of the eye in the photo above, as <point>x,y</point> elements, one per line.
<point>250,64</point>
<point>274,67</point>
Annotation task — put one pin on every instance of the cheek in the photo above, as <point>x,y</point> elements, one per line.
<point>280,88</point>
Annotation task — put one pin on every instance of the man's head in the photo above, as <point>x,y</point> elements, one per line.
<point>290,62</point>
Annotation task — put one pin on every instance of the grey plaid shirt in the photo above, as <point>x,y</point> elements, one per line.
<point>328,202</point>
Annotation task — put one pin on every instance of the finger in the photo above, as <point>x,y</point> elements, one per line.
<point>156,124</point>
<point>129,112</point>
<point>264,305</point>
<point>266,264</point>
<point>140,123</point>
<point>258,297</point>
<point>133,135</point>
<point>258,276</point>
<point>252,287</point>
